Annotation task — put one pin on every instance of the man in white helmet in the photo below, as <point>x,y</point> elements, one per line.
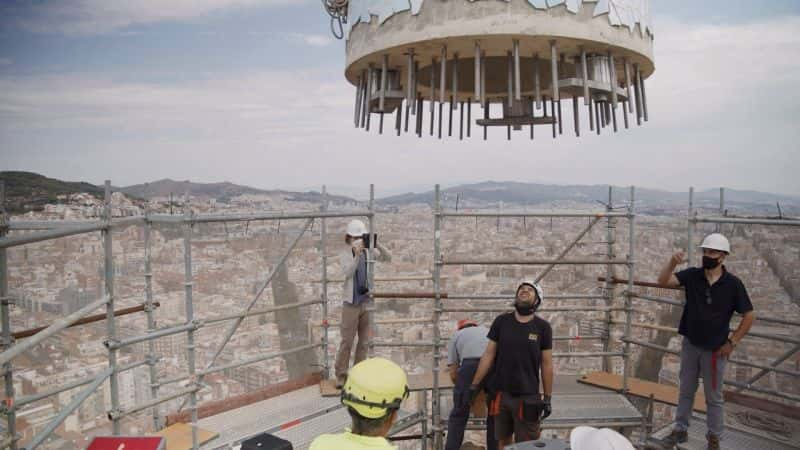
<point>372,394</point>
<point>521,349</point>
<point>355,317</point>
<point>712,296</point>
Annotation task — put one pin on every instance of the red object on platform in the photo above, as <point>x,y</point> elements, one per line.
<point>127,443</point>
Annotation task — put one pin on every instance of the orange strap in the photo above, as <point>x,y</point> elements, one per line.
<point>494,405</point>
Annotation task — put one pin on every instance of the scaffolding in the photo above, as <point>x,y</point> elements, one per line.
<point>430,421</point>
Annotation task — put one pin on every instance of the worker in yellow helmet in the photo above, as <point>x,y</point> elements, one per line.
<point>372,393</point>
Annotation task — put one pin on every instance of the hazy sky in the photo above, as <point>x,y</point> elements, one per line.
<point>252,91</point>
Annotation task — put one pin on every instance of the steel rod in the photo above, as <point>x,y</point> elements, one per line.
<point>477,78</point>
<point>86,320</point>
<point>8,374</point>
<point>585,73</point>
<point>437,307</point>
<point>534,214</point>
<point>631,271</point>
<point>517,69</point>
<point>537,87</point>
<point>554,70</point>
<point>256,359</point>
<point>743,221</point>
<point>531,262</point>
<point>567,249</point>
<point>323,248</point>
<point>149,308</point>
<point>14,241</point>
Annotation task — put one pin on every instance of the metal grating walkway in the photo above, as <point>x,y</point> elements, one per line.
<point>732,439</point>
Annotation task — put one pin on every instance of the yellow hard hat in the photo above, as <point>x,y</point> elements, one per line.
<point>374,386</point>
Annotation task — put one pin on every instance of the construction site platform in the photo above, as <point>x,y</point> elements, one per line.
<point>732,438</point>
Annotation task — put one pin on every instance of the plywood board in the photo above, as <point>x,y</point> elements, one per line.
<point>179,436</point>
<point>642,388</point>
<point>327,388</point>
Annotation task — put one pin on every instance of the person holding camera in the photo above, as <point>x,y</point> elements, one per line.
<point>355,317</point>
<point>521,348</point>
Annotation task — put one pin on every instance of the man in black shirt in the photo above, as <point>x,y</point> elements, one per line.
<point>520,347</point>
<point>712,296</point>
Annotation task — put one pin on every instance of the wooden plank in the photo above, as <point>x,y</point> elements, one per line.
<point>642,388</point>
<point>327,388</point>
<point>179,436</point>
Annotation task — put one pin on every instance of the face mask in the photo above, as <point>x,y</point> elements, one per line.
<point>710,263</point>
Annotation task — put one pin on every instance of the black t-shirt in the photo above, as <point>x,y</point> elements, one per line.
<point>519,353</point>
<point>708,310</point>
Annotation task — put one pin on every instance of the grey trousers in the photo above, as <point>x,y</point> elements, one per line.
<point>696,362</point>
<point>355,320</point>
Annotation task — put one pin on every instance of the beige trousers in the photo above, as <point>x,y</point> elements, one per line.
<point>355,319</point>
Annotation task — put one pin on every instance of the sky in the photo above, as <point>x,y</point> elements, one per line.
<point>253,92</point>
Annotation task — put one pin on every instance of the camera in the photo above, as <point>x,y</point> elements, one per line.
<point>365,237</point>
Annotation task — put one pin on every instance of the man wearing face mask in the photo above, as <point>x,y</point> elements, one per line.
<point>355,317</point>
<point>520,347</point>
<point>712,296</point>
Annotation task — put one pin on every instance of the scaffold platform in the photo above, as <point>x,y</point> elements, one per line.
<point>732,438</point>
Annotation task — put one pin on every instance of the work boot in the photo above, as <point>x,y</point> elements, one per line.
<point>676,437</point>
<point>340,380</point>
<point>713,442</point>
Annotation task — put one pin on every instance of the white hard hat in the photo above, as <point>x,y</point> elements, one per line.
<point>716,241</point>
<point>356,228</point>
<point>536,286</point>
<point>589,438</point>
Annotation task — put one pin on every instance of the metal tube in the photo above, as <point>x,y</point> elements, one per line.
<point>628,83</point>
<point>370,87</point>
<point>591,115</point>
<point>188,285</point>
<point>8,378</point>
<point>443,76</point>
<point>778,394</point>
<point>531,262</point>
<point>469,117</point>
<point>560,121</point>
<point>14,241</point>
<point>721,220</point>
<point>192,391</point>
<point>214,218</point>
<point>625,113</point>
<point>69,409</point>
<point>151,322</point>
<point>613,83</point>
<point>567,249</point>
<point>478,71</point>
<point>168,331</point>
<point>667,301</point>
<point>537,88</point>
<point>373,332</point>
<point>484,100</point>
<point>638,92</point>
<point>631,263</point>
<point>17,349</point>
<point>454,97</point>
<point>415,91</point>
<point>587,354</point>
<point>543,310</point>
<point>608,287</point>
<point>511,297</point>
<point>576,120</point>
<point>433,91</point>
<point>364,98</point>
<point>260,358</point>
<point>88,319</point>
<point>398,118</point>
<point>324,288</point>
<point>644,97</point>
<point>554,69</point>
<point>517,80</point>
<point>409,76</point>
<point>437,307</point>
<point>534,214</point>
<point>384,82</point>
<point>788,354</point>
<point>356,111</point>
<point>510,79</point>
<point>404,344</point>
<point>585,73</point>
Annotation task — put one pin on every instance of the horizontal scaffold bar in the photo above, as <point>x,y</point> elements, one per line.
<point>86,320</point>
<point>212,218</point>
<point>262,311</point>
<point>616,280</point>
<point>743,221</point>
<point>536,214</point>
<point>530,262</point>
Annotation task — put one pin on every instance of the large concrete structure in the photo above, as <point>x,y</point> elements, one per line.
<point>518,55</point>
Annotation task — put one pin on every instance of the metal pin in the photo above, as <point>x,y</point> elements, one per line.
<point>433,91</point>
<point>469,117</point>
<point>597,117</point>
<point>644,97</point>
<point>410,77</point>
<point>517,87</point>
<point>608,110</point>
<point>553,108</point>
<point>380,128</point>
<point>638,94</point>
<point>443,76</point>
<point>384,82</point>
<point>614,118</point>
<point>397,119</point>
<point>532,101</point>
<point>461,122</point>
<point>613,72</point>
<point>485,115</point>
<point>484,100</point>
<point>576,116</point>
<point>625,113</point>
<point>628,83</point>
<point>450,122</point>
<point>560,128</point>
<point>585,70</point>
<point>544,103</point>
<point>364,98</point>
<point>477,71</point>
<point>537,87</point>
<point>358,102</point>
<point>408,107</point>
<point>591,115</point>
<point>455,80</point>
<point>441,113</point>
<point>416,88</point>
<point>554,69</point>
<point>510,79</point>
<point>418,117</point>
<point>369,95</point>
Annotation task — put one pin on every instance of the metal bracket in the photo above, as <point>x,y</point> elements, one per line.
<point>111,344</point>
<point>152,360</point>
<point>8,301</point>
<point>114,414</point>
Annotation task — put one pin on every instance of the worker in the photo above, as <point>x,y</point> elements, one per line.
<point>355,316</point>
<point>464,352</point>
<point>590,438</point>
<point>520,348</point>
<point>712,296</point>
<point>372,394</point>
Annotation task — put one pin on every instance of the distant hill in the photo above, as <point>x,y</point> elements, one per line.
<point>491,192</point>
<point>28,191</point>
<point>223,191</point>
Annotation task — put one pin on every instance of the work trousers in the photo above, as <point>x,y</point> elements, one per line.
<point>459,415</point>
<point>355,320</point>
<point>697,362</point>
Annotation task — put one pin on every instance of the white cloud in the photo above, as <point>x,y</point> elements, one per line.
<point>317,40</point>
<point>6,62</point>
<point>101,16</point>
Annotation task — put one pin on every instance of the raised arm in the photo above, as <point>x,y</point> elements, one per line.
<point>667,275</point>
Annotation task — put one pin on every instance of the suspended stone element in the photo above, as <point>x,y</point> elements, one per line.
<point>426,63</point>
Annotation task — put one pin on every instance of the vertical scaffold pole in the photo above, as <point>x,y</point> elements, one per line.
<point>323,230</point>
<point>721,207</point>
<point>190,355</point>
<point>628,297</point>
<point>151,321</point>
<point>437,308</point>
<point>371,271</point>
<point>690,229</point>
<point>8,379</point>
<point>111,328</point>
<point>609,286</point>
